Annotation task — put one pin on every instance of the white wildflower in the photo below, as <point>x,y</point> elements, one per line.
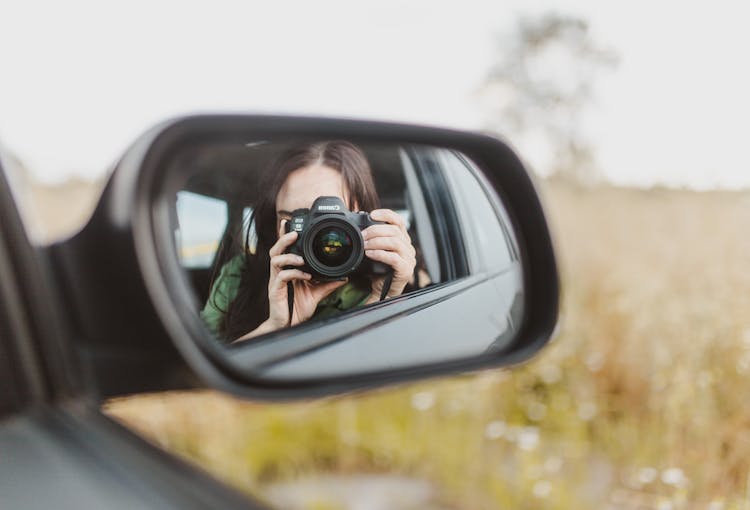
<point>542,489</point>
<point>495,429</point>
<point>674,477</point>
<point>423,400</point>
<point>528,438</point>
<point>647,475</point>
<point>536,411</point>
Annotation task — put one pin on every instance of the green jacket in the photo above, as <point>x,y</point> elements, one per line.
<point>226,285</point>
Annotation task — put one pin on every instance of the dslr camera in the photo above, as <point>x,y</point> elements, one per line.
<point>329,239</point>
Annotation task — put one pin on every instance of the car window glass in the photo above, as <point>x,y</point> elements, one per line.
<point>201,221</point>
<point>488,244</point>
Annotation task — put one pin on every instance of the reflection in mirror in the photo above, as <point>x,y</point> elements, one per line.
<point>277,234</point>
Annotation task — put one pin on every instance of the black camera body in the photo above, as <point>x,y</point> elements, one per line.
<point>329,239</point>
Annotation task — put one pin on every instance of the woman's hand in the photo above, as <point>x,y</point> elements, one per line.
<point>307,294</point>
<point>391,245</point>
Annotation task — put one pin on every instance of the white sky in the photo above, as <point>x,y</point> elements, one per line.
<point>80,80</point>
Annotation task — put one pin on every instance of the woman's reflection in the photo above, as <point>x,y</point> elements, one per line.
<point>250,296</point>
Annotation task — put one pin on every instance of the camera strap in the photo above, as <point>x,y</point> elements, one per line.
<point>386,284</point>
<point>290,299</point>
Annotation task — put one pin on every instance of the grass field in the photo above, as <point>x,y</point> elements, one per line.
<point>642,401</point>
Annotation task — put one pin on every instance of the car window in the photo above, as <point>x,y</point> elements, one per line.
<point>490,247</point>
<point>201,222</point>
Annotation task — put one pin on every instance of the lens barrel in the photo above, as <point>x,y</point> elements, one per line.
<point>333,247</point>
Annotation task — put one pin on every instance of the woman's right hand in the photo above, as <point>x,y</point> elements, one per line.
<point>307,294</point>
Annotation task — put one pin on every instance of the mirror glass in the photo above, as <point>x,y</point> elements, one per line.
<point>320,258</point>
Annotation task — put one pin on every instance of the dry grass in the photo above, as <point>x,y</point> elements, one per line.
<point>639,403</point>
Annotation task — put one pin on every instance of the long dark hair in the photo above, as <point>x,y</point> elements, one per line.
<point>250,307</point>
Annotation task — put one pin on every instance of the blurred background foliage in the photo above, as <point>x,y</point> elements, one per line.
<point>539,87</point>
<point>638,403</point>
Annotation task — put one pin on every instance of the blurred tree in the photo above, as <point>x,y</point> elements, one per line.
<point>540,84</point>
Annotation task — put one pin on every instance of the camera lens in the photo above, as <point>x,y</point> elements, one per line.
<point>332,246</point>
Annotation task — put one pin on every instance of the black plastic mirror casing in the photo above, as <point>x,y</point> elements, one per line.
<point>133,315</point>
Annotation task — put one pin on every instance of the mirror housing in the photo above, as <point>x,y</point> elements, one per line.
<point>143,331</point>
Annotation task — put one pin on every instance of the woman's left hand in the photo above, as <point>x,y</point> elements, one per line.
<point>391,245</point>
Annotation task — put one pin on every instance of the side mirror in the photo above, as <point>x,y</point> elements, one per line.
<point>291,257</point>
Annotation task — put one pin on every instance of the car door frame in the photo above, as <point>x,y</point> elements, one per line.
<point>59,449</point>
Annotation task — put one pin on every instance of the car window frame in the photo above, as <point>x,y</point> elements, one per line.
<point>422,221</point>
<point>32,328</point>
<point>446,225</point>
